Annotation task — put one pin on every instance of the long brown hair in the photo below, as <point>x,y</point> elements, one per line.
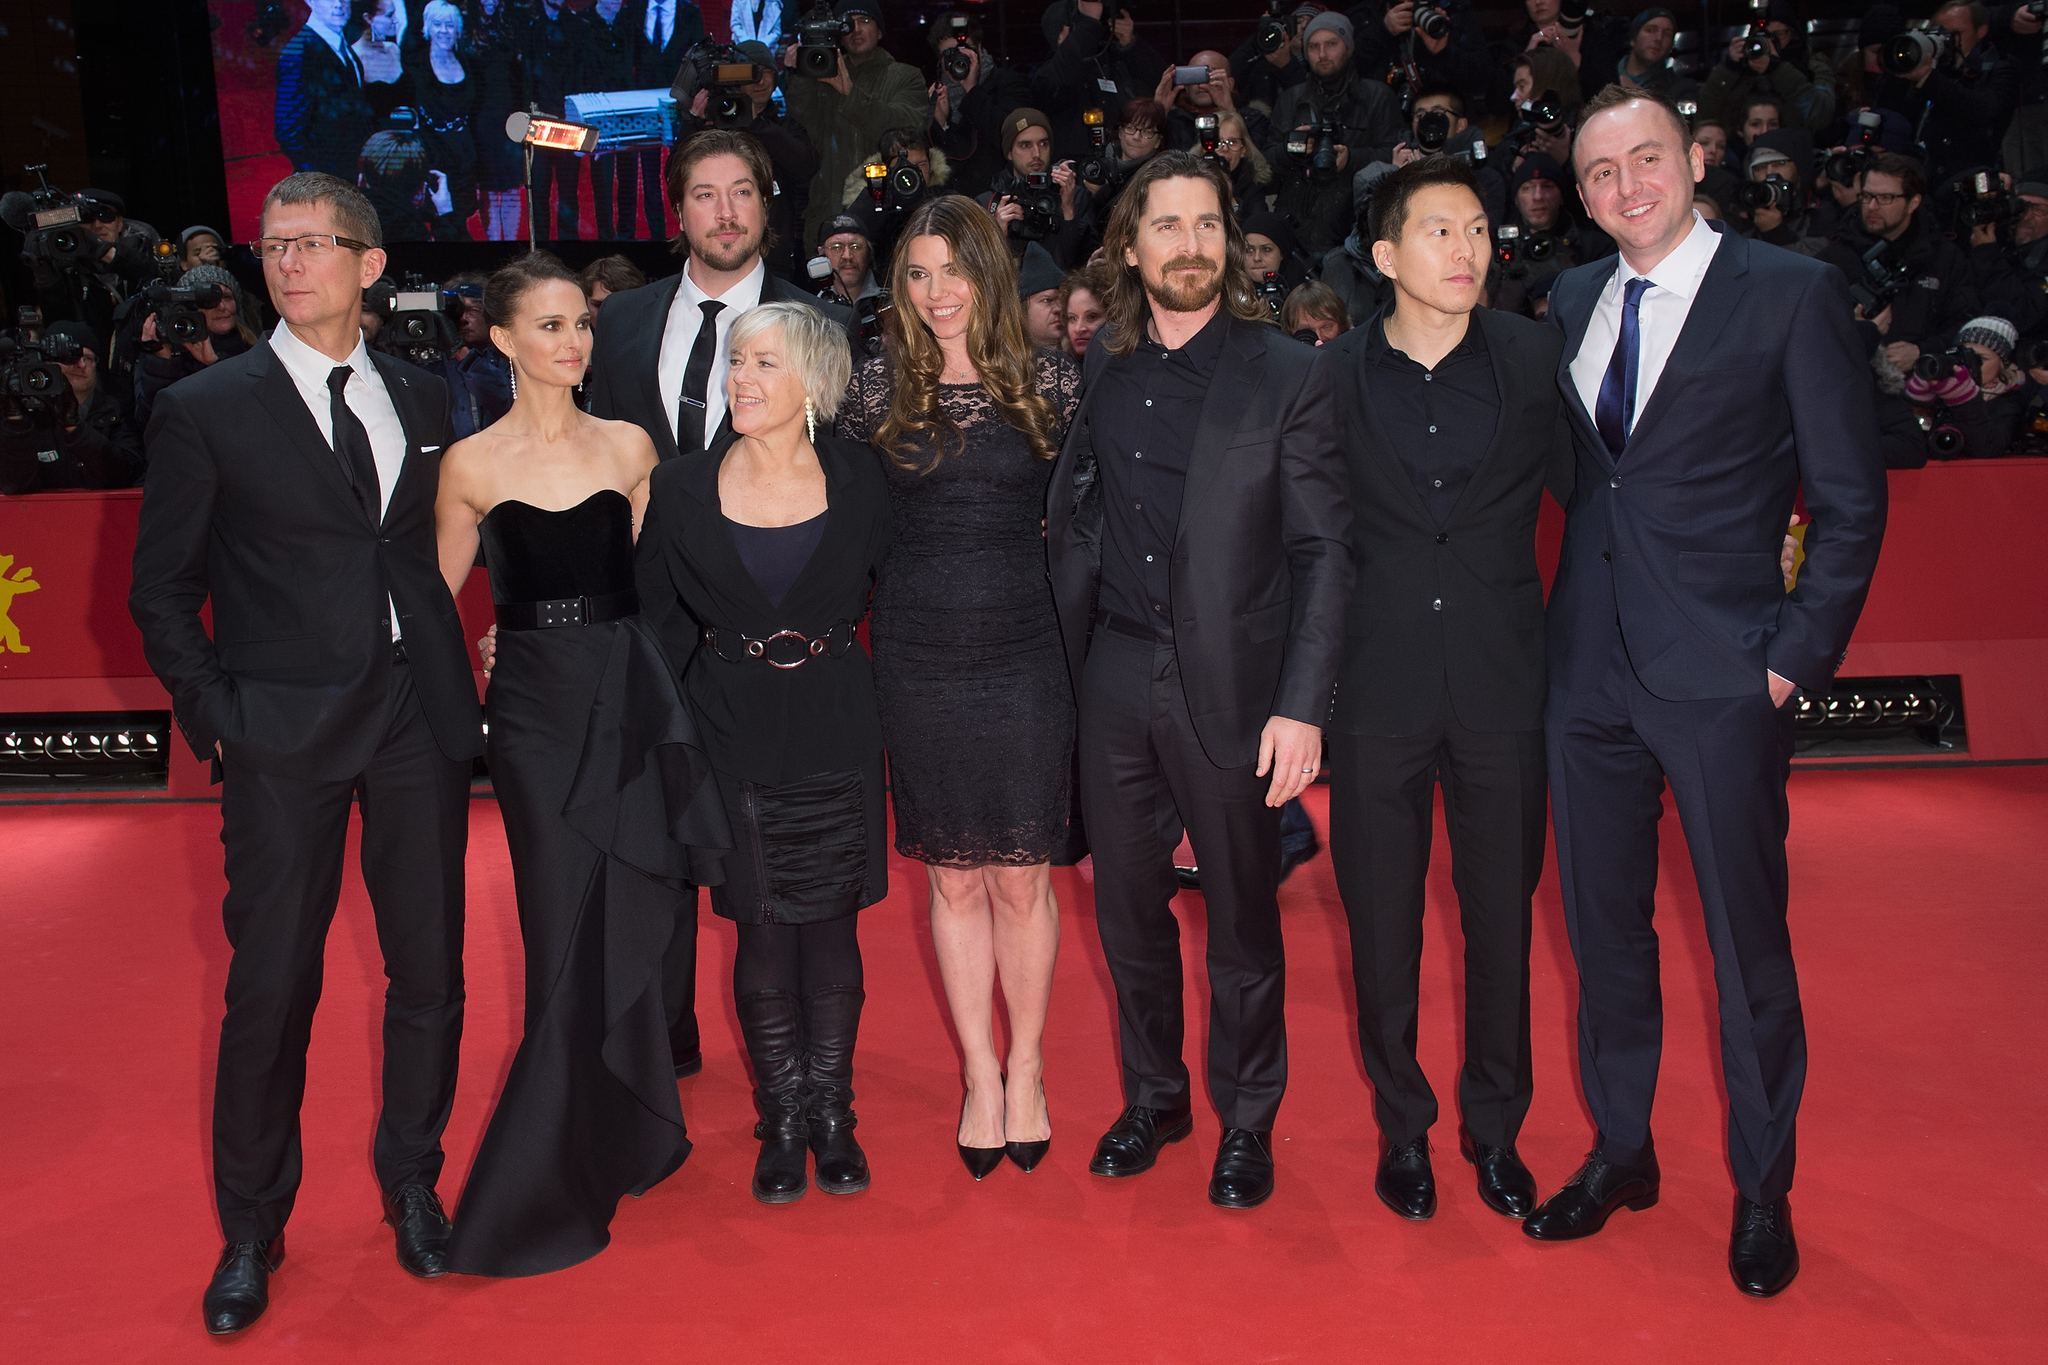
<point>1126,306</point>
<point>996,340</point>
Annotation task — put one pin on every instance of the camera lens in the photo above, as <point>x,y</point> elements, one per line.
<point>957,62</point>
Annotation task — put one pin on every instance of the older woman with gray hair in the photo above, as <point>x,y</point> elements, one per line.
<point>755,563</point>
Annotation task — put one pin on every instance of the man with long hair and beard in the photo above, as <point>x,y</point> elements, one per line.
<point>1198,530</point>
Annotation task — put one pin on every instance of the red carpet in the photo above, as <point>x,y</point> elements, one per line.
<point>1918,915</point>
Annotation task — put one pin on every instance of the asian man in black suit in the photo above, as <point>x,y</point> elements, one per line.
<point>660,362</point>
<point>322,116</point>
<point>1708,380</point>
<point>1455,424</point>
<point>292,489</point>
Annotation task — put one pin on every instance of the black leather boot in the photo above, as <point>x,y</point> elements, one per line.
<point>832,1021</point>
<point>772,1027</point>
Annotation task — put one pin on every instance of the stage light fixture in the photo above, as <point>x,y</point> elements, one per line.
<point>117,747</point>
<point>531,128</point>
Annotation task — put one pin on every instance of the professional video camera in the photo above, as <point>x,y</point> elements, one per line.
<point>31,385</point>
<point>1884,275</point>
<point>724,71</point>
<point>1318,143</point>
<point>1278,26</point>
<point>1925,41</point>
<point>418,326</point>
<point>1271,291</point>
<point>1540,115</point>
<point>1038,196</point>
<point>52,224</point>
<point>180,313</point>
<point>1431,21</point>
<point>1773,191</point>
<point>957,61</point>
<point>817,42</point>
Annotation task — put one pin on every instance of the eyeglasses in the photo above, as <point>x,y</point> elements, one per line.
<point>1886,200</point>
<point>1142,134</point>
<point>1228,144</point>
<point>313,245</point>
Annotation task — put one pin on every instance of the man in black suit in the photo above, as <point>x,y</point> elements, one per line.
<point>322,117</point>
<point>1707,379</point>
<point>658,32</point>
<point>1198,531</point>
<point>1455,423</point>
<point>659,365</point>
<point>292,489</point>
<point>565,52</point>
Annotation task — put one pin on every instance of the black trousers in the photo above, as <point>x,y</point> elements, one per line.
<point>562,170</point>
<point>285,840</point>
<point>636,168</point>
<point>1382,795</point>
<point>1727,759</point>
<point>1144,778</point>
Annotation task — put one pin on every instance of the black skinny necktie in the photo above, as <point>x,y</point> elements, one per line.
<point>352,444</point>
<point>690,415</point>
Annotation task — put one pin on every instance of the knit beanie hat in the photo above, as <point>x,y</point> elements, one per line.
<point>1635,25</point>
<point>1017,120</point>
<point>1037,272</point>
<point>1995,335</point>
<point>211,274</point>
<point>1334,23</point>
<point>849,8</point>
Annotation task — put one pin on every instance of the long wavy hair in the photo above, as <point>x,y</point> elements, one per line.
<point>1126,306</point>
<point>996,340</point>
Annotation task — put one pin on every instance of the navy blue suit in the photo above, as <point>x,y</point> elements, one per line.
<point>1667,613</point>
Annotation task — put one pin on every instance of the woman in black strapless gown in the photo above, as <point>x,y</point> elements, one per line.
<point>602,785</point>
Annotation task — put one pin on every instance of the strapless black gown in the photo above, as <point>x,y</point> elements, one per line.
<point>608,811</point>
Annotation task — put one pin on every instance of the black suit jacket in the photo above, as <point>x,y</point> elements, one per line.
<point>655,67</point>
<point>322,117</point>
<point>1461,604</point>
<point>1261,566</point>
<point>761,723</point>
<point>625,381</point>
<point>1766,392</point>
<point>247,508</point>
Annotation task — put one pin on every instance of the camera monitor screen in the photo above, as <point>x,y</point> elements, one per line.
<point>409,100</point>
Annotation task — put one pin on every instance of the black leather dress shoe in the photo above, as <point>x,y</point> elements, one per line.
<point>1243,1178</point>
<point>1590,1197</point>
<point>1291,858</point>
<point>240,1289</point>
<point>415,1213</point>
<point>1405,1182</point>
<point>1505,1184</point>
<point>1132,1144</point>
<point>1762,1255</point>
<point>689,1064</point>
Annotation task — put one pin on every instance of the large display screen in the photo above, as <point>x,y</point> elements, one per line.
<point>409,99</point>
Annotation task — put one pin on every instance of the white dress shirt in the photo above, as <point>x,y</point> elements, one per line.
<point>679,335</point>
<point>367,398</point>
<point>1660,317</point>
<point>661,22</point>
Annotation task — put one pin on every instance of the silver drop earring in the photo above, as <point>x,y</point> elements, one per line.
<point>810,421</point>
<point>515,383</point>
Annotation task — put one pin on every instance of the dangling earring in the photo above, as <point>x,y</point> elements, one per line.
<point>515,383</point>
<point>810,420</point>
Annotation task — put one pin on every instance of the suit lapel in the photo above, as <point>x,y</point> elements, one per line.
<point>647,362</point>
<point>1238,376</point>
<point>406,403</point>
<point>1577,305</point>
<point>1721,289</point>
<point>279,396</point>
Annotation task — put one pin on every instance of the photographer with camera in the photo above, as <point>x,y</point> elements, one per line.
<point>78,435</point>
<point>1272,257</point>
<point>1542,109</point>
<point>970,99</point>
<point>2009,254</point>
<point>1956,89</point>
<point>880,193</point>
<point>1541,237</point>
<point>1919,282</point>
<point>1770,57</point>
<point>2017,30</point>
<point>1269,61</point>
<point>1034,200</point>
<point>1438,124</point>
<point>1589,42</point>
<point>1647,66</point>
<point>847,102</point>
<point>1186,101</point>
<point>750,108</point>
<point>1098,62</point>
<point>1780,208</point>
<point>173,347</point>
<point>1324,129</point>
<point>1038,289</point>
<point>1970,396</point>
<point>1437,43</point>
<point>849,263</point>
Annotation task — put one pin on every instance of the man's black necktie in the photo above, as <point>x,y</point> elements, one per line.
<point>697,378</point>
<point>352,445</point>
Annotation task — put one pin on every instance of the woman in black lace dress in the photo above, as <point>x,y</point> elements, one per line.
<point>977,709</point>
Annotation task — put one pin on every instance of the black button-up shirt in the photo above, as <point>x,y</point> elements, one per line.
<point>1440,421</point>
<point>1143,428</point>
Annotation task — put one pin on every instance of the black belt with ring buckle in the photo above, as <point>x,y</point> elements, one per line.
<point>785,643</point>
<point>568,611</point>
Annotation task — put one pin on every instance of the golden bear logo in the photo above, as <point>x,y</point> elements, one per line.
<point>12,585</point>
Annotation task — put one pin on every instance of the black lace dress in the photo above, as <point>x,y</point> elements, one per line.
<point>977,709</point>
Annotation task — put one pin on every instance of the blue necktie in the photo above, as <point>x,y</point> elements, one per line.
<point>1614,412</point>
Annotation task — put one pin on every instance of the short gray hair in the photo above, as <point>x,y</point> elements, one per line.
<point>352,212</point>
<point>813,346</point>
<point>435,9</point>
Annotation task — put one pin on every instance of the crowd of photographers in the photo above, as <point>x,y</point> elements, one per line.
<point>1916,162</point>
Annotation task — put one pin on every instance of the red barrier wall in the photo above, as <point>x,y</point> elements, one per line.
<point>1962,588</point>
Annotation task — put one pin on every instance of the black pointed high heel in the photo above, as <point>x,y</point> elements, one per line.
<point>979,1161</point>
<point>1026,1155</point>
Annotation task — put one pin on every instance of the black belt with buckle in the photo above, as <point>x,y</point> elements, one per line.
<point>568,611</point>
<point>783,649</point>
